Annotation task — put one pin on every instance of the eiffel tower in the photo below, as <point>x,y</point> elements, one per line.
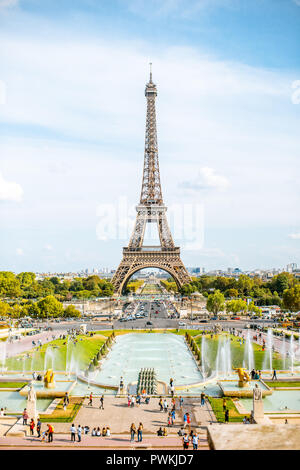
<point>151,209</point>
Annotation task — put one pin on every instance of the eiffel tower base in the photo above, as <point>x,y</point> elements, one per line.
<point>136,259</point>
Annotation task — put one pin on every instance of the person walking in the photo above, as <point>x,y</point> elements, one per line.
<point>195,440</point>
<point>90,403</point>
<point>224,405</point>
<point>165,405</point>
<point>184,420</point>
<point>79,432</point>
<point>274,377</point>
<point>101,407</point>
<point>25,417</point>
<point>132,401</point>
<point>161,404</point>
<point>140,432</point>
<point>50,432</point>
<point>185,441</point>
<point>73,432</point>
<point>188,421</point>
<point>202,399</point>
<point>38,427</point>
<point>32,426</point>
<point>180,402</point>
<point>226,416</point>
<point>132,432</point>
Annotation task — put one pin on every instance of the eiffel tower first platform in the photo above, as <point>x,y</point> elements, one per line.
<point>151,209</point>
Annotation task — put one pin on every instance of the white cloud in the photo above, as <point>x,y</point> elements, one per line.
<point>48,247</point>
<point>297,2</point>
<point>294,236</point>
<point>8,3</point>
<point>19,251</point>
<point>10,191</point>
<point>207,179</point>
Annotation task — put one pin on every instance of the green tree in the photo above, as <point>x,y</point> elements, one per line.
<point>71,311</point>
<point>50,306</point>
<point>291,298</point>
<point>9,285</point>
<point>215,302</point>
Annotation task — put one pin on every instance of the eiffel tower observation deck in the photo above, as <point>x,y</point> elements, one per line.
<point>151,209</point>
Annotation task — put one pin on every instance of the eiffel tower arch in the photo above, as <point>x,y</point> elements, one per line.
<point>151,210</point>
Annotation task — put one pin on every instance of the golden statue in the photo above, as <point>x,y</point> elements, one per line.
<point>243,376</point>
<point>49,379</point>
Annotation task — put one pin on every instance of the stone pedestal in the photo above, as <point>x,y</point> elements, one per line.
<point>257,412</point>
<point>31,404</point>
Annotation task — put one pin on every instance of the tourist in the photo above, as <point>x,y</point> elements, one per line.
<point>25,417</point>
<point>90,403</point>
<point>286,422</point>
<point>172,390</point>
<point>185,441</point>
<point>259,374</point>
<point>98,432</point>
<point>138,399</point>
<point>140,432</point>
<point>147,400</point>
<point>31,426</point>
<point>226,416</point>
<point>165,404</point>
<point>86,429</point>
<point>195,440</point>
<point>274,377</point>
<point>101,407</point>
<point>73,432</point>
<point>171,382</point>
<point>132,401</point>
<point>50,432</point>
<point>129,400</point>
<point>161,404</point>
<point>144,394</point>
<point>184,420</point>
<point>66,399</point>
<point>107,431</point>
<point>173,415</point>
<point>188,420</point>
<point>180,402</point>
<point>104,431</point>
<point>180,432</point>
<point>79,432</point>
<point>252,374</point>
<point>170,420</point>
<point>94,432</point>
<point>44,435</point>
<point>165,432</point>
<point>34,375</point>
<point>245,420</point>
<point>38,427</point>
<point>1,413</point>
<point>202,399</point>
<point>224,405</point>
<point>132,432</point>
<point>160,432</point>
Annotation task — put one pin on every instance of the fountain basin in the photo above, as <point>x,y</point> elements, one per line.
<point>62,387</point>
<point>230,388</point>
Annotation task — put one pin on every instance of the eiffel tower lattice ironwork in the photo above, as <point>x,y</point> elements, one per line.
<point>151,209</point>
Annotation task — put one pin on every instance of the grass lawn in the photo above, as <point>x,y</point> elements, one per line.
<point>282,384</point>
<point>59,415</point>
<point>217,407</point>
<point>83,352</point>
<point>12,384</point>
<point>237,352</point>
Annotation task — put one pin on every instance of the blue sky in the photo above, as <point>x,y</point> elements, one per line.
<point>72,117</point>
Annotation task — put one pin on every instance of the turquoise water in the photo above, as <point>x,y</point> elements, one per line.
<point>277,401</point>
<point>230,386</point>
<point>82,389</point>
<point>14,402</point>
<point>167,354</point>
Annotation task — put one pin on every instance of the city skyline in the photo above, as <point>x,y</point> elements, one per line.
<point>72,140</point>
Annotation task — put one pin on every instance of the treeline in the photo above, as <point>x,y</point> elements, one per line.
<point>48,307</point>
<point>25,286</point>
<point>281,288</point>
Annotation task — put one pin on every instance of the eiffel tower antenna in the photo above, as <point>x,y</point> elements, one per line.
<point>150,210</point>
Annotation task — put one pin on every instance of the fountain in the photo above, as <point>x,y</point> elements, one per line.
<point>223,361</point>
<point>204,350</point>
<point>268,359</point>
<point>283,350</point>
<point>2,355</point>
<point>292,352</point>
<point>248,354</point>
